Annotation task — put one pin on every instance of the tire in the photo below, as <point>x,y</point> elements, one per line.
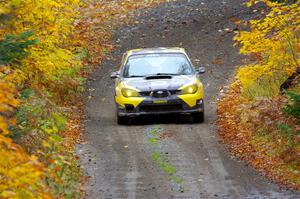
<point>122,120</point>
<point>198,117</point>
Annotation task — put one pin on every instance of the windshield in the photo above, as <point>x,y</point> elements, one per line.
<point>157,64</point>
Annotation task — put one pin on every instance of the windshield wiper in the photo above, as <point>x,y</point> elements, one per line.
<point>135,76</point>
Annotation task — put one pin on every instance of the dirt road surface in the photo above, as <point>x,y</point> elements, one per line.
<point>188,162</point>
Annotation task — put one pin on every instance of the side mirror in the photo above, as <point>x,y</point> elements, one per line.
<point>114,75</point>
<point>200,70</point>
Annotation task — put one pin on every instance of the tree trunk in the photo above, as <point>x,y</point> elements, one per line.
<point>290,81</point>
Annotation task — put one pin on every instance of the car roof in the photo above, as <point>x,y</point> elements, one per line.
<point>155,50</point>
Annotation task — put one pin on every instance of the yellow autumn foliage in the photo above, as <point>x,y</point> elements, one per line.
<point>51,21</point>
<point>20,174</point>
<point>273,42</point>
<point>7,104</point>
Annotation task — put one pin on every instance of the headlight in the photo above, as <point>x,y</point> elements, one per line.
<point>191,89</point>
<point>127,92</point>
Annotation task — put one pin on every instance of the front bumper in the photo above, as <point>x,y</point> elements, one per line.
<point>170,105</point>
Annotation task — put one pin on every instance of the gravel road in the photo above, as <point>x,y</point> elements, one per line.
<point>188,161</point>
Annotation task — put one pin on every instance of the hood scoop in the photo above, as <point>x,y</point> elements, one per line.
<point>158,77</point>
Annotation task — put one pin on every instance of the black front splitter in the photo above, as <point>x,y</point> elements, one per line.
<point>134,114</point>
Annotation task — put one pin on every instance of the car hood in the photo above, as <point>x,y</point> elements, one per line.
<point>173,83</point>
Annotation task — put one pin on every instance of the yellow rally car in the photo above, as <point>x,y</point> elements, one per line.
<point>158,81</point>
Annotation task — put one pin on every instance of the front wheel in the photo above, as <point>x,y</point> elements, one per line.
<point>198,117</point>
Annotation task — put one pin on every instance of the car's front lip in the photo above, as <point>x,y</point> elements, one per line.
<point>148,107</point>
<point>160,112</point>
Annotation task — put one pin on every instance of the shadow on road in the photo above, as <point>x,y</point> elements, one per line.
<point>161,119</point>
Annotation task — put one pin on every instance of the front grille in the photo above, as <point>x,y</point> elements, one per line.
<point>148,93</point>
<point>145,93</point>
<point>160,94</point>
<point>175,92</point>
<point>161,108</point>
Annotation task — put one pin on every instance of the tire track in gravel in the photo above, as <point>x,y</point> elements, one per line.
<point>118,158</point>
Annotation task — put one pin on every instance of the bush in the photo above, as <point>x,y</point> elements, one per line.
<point>13,47</point>
<point>294,107</point>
